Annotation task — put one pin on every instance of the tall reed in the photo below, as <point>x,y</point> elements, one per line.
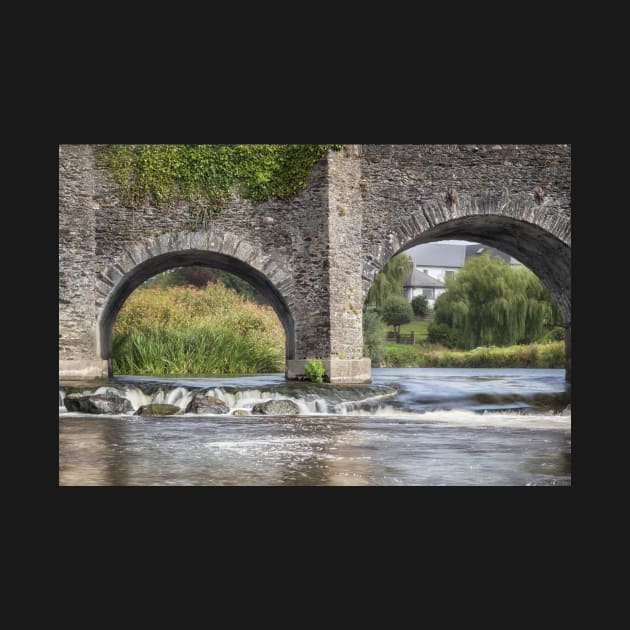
<point>182,330</point>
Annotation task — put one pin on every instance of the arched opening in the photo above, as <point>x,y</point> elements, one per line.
<point>160,263</point>
<point>548,257</point>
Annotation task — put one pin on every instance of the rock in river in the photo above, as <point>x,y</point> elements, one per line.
<point>97,403</point>
<point>282,407</point>
<point>156,409</point>
<point>207,405</point>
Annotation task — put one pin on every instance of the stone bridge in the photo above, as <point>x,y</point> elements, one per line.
<point>314,256</point>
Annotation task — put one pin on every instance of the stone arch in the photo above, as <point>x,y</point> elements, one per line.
<point>270,273</point>
<point>535,234</point>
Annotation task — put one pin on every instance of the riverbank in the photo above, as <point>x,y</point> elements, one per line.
<point>536,355</point>
<point>185,330</point>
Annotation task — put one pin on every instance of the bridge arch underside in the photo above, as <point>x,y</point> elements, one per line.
<point>157,264</point>
<point>547,256</point>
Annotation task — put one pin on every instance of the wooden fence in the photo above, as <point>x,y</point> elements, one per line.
<point>398,338</point>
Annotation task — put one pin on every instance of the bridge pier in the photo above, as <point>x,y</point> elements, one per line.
<point>83,369</point>
<point>329,319</point>
<point>337,370</point>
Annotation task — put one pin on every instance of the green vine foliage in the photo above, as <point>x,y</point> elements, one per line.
<point>204,175</point>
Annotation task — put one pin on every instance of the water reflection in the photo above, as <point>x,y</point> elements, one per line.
<point>307,451</point>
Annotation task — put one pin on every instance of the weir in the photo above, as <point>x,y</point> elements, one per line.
<point>309,399</point>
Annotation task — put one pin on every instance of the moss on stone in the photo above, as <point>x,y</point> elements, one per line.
<point>204,175</point>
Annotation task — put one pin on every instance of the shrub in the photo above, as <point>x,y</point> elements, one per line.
<point>552,354</point>
<point>314,370</point>
<point>402,355</point>
<point>553,334</point>
<point>373,337</point>
<point>420,305</point>
<point>444,334</point>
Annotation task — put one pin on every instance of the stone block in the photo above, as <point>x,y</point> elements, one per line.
<point>82,369</point>
<point>349,371</point>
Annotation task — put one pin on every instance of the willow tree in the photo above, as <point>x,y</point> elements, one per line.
<point>389,281</point>
<point>491,302</point>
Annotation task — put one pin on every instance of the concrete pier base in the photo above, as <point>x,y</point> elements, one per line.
<point>82,369</point>
<point>350,371</point>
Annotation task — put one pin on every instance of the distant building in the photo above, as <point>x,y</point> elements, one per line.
<point>420,283</point>
<point>434,262</point>
<point>438,260</point>
<point>477,249</point>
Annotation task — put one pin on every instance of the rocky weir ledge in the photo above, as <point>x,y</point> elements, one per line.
<point>153,400</point>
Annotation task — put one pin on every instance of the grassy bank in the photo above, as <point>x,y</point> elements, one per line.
<point>184,330</point>
<point>417,326</point>
<point>548,355</point>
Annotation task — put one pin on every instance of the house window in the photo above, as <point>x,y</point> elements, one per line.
<point>449,273</point>
<point>428,293</point>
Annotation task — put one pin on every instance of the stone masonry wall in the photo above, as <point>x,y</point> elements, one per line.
<point>397,179</point>
<point>77,318</point>
<point>295,229</point>
<point>344,233</point>
<point>514,197</point>
<point>323,247</point>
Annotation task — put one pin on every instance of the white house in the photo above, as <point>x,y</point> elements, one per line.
<point>434,262</point>
<point>419,283</point>
<point>438,260</point>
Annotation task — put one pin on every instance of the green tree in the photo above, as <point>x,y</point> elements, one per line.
<point>389,281</point>
<point>491,302</point>
<point>197,276</point>
<point>444,334</point>
<point>396,311</point>
<point>373,337</point>
<point>420,305</point>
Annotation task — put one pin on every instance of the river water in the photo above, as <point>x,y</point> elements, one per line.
<point>412,426</point>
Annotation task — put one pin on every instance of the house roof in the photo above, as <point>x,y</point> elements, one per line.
<point>452,255</point>
<point>422,280</point>
<point>438,255</point>
<point>478,249</point>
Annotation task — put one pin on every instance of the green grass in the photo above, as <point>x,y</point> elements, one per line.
<point>185,330</point>
<point>544,355</point>
<point>425,354</point>
<point>418,326</point>
<point>196,350</point>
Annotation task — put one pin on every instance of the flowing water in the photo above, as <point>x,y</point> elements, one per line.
<point>412,426</point>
